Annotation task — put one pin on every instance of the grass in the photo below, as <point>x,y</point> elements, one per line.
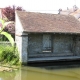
<point>9,55</point>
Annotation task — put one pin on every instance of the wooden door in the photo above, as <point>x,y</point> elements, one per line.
<point>47,43</point>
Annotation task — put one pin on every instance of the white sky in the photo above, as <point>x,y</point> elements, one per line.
<point>45,6</point>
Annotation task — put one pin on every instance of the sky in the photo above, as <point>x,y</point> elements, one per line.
<point>43,6</point>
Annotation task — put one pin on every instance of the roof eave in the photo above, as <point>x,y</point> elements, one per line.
<point>54,32</point>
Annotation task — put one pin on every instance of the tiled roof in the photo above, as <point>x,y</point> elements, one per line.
<point>71,12</point>
<point>53,23</point>
<point>76,14</point>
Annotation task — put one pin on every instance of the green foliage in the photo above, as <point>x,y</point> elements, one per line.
<point>7,35</point>
<point>3,38</point>
<point>9,55</point>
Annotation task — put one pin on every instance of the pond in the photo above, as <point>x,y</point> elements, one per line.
<point>43,73</point>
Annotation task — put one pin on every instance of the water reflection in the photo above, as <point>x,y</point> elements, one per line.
<point>43,73</point>
<point>0,78</point>
<point>32,73</point>
<point>10,75</point>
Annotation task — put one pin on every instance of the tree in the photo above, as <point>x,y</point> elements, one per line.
<point>9,12</point>
<point>7,35</point>
<point>10,28</point>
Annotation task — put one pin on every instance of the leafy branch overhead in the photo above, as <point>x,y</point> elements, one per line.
<point>7,35</point>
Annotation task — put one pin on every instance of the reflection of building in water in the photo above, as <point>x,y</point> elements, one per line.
<point>18,75</point>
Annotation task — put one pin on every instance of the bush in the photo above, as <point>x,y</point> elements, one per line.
<point>3,38</point>
<point>9,55</point>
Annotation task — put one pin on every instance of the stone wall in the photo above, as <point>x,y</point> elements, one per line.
<point>19,46</point>
<point>35,43</point>
<point>62,45</point>
<point>22,45</point>
<point>31,45</point>
<point>6,43</point>
<point>77,46</point>
<point>21,40</point>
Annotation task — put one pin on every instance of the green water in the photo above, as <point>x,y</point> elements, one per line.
<point>34,73</point>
